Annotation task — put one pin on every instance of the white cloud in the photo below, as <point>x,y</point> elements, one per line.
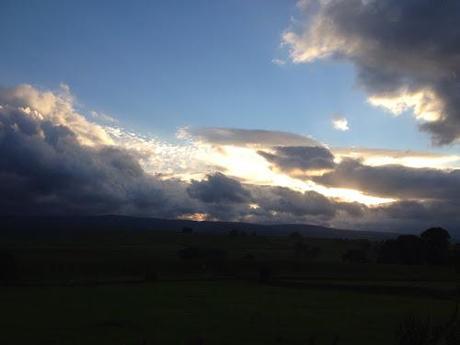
<point>341,124</point>
<point>279,62</point>
<point>57,107</point>
<point>103,117</point>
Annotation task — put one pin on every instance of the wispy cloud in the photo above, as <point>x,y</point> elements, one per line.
<point>279,62</point>
<point>103,117</point>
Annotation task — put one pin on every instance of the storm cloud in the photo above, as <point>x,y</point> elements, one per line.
<point>217,188</point>
<point>298,159</point>
<point>53,161</point>
<point>407,54</point>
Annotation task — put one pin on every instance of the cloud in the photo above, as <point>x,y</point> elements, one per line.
<point>406,54</point>
<point>279,62</point>
<point>299,159</point>
<point>55,161</point>
<point>247,137</point>
<point>341,124</point>
<point>395,181</point>
<point>218,188</point>
<point>408,158</point>
<point>103,117</point>
<point>54,107</point>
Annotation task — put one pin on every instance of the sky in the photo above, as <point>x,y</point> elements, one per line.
<point>332,112</point>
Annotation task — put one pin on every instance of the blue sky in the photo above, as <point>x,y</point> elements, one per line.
<point>161,65</point>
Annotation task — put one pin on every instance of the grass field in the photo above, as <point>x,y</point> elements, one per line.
<point>221,312</point>
<point>134,288</point>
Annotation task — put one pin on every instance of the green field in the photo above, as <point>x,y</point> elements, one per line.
<point>222,312</point>
<point>134,288</point>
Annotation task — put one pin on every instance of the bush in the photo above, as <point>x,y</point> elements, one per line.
<point>423,331</point>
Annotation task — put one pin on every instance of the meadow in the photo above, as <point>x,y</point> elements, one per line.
<point>219,312</point>
<point>156,287</point>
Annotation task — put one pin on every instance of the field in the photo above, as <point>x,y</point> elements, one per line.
<point>122,287</point>
<point>222,312</point>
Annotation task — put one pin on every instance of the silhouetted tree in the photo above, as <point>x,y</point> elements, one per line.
<point>423,331</point>
<point>411,249</point>
<point>436,241</point>
<point>296,236</point>
<point>408,250</point>
<point>456,257</point>
<point>355,256</point>
<point>233,233</point>
<point>200,253</point>
<point>303,250</point>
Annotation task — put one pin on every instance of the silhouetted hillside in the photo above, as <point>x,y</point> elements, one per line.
<point>80,225</point>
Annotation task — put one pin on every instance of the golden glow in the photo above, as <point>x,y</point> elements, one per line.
<point>412,159</point>
<point>197,217</point>
<point>425,104</point>
<point>248,166</point>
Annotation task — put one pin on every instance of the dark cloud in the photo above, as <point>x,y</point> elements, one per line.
<point>300,158</point>
<point>407,54</point>
<point>218,188</point>
<point>45,170</point>
<point>287,201</point>
<point>395,181</point>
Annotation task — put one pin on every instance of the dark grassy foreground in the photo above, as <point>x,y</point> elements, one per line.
<point>120,286</point>
<point>221,312</point>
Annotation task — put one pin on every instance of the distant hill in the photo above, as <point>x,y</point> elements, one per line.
<point>56,226</point>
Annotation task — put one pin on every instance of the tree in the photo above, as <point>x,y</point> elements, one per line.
<point>436,242</point>
<point>406,249</point>
<point>296,236</point>
<point>355,256</point>
<point>303,250</point>
<point>411,250</point>
<point>233,233</point>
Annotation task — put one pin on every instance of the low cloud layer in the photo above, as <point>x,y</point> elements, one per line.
<point>247,137</point>
<point>395,181</point>
<point>406,54</point>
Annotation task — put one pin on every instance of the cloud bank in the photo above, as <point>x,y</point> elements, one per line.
<point>54,161</point>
